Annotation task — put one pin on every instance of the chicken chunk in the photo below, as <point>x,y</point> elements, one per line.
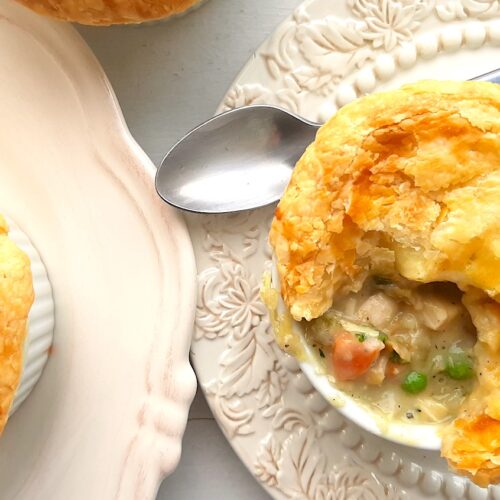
<point>378,310</point>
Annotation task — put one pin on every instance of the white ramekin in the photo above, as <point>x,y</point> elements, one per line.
<point>421,436</point>
<point>40,322</point>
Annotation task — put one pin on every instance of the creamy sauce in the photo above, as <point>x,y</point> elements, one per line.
<point>420,325</point>
<point>282,322</point>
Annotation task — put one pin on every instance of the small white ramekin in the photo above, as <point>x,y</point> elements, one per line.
<point>421,436</point>
<point>40,322</point>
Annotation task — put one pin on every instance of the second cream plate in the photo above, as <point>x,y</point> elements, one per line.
<point>324,56</point>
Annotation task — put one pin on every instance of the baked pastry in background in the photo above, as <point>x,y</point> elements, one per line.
<point>16,298</point>
<point>26,318</point>
<point>407,184</point>
<point>99,12</point>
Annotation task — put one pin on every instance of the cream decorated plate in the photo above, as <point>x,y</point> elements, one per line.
<point>325,55</point>
<point>105,420</point>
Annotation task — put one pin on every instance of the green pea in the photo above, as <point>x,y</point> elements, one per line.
<point>459,365</point>
<point>414,382</point>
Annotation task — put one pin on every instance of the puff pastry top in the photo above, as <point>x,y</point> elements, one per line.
<point>16,298</point>
<point>406,182</point>
<point>106,12</point>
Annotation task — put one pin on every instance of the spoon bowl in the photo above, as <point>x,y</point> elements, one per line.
<point>235,161</point>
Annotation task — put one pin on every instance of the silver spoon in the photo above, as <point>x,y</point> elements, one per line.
<point>239,160</point>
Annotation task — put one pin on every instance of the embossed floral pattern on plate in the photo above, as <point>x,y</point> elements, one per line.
<point>325,55</point>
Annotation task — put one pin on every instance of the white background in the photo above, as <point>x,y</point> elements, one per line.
<point>169,77</point>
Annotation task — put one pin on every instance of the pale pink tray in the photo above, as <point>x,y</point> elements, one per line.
<point>107,417</point>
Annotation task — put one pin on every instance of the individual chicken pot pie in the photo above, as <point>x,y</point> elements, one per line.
<point>387,245</point>
<point>24,338</point>
<point>97,12</point>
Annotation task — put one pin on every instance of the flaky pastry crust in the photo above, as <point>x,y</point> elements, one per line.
<point>406,182</point>
<point>107,12</point>
<point>16,298</point>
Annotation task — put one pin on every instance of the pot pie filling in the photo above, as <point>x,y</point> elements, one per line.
<point>387,247</point>
<point>403,348</point>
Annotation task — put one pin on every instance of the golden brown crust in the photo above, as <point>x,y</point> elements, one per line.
<point>106,12</point>
<point>16,298</point>
<point>475,448</point>
<point>414,172</point>
<point>406,182</point>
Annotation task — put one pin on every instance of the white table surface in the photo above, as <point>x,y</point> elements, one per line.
<point>169,77</point>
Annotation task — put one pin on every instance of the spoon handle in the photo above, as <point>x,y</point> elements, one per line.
<point>492,76</point>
